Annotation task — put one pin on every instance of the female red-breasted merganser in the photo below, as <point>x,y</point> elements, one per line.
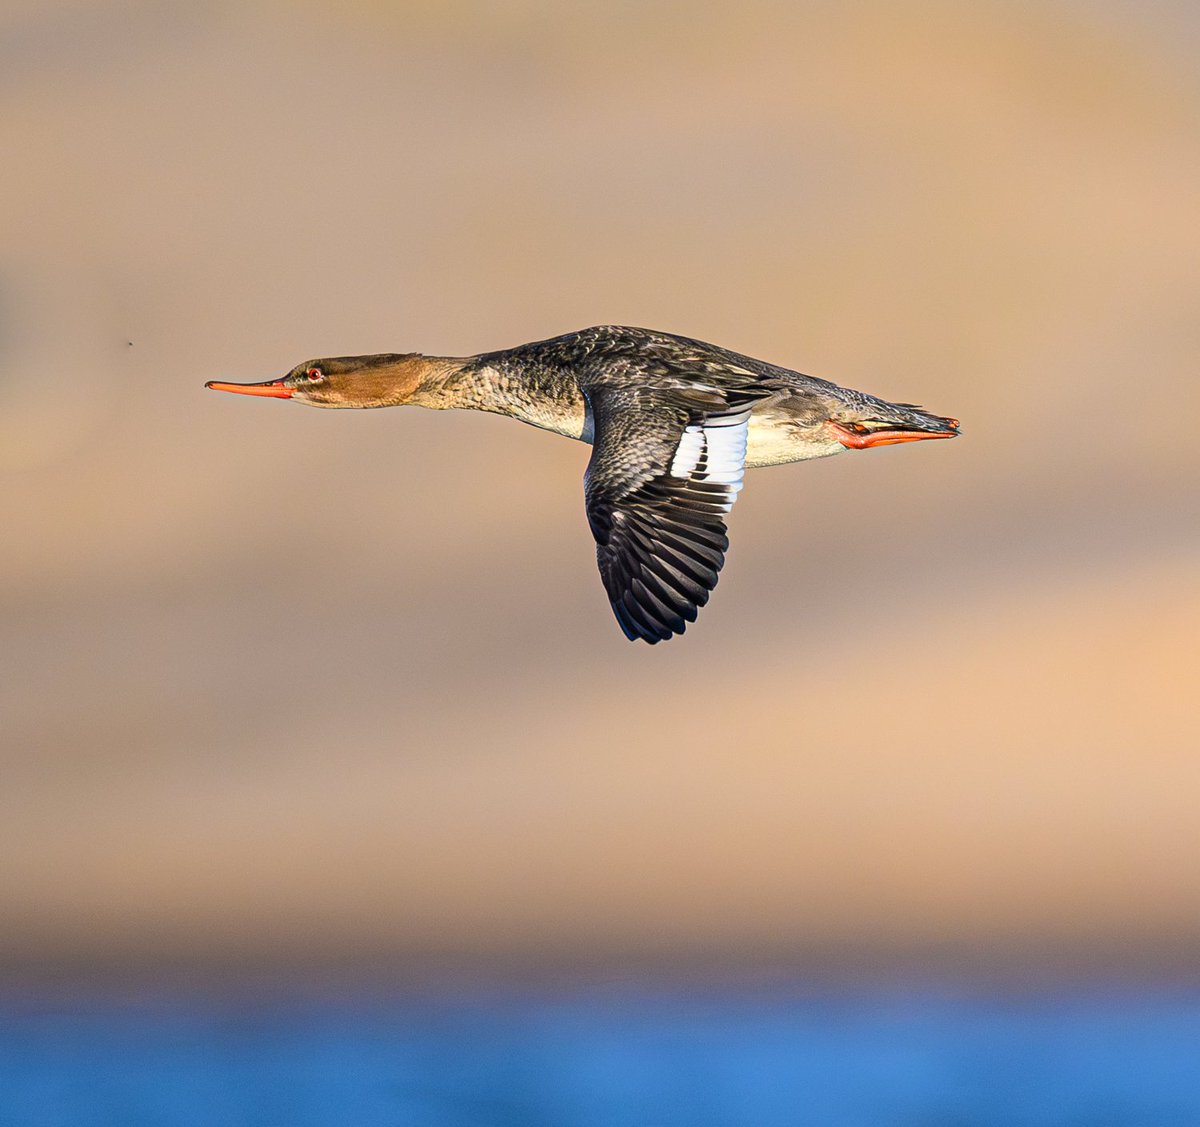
<point>673,423</point>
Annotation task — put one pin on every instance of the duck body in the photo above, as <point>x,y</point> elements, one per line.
<point>546,384</point>
<point>673,422</point>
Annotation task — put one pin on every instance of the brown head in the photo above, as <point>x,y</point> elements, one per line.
<point>386,380</point>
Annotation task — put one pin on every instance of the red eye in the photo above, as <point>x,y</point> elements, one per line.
<point>314,374</point>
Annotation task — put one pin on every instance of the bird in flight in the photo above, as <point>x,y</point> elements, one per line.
<point>673,424</point>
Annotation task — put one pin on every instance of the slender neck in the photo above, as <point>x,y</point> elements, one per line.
<point>457,381</point>
<point>535,394</point>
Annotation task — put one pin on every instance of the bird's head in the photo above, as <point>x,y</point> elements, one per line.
<point>386,380</point>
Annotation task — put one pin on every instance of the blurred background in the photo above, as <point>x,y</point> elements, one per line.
<point>329,782</point>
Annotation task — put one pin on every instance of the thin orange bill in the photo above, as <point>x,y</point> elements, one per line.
<point>276,389</point>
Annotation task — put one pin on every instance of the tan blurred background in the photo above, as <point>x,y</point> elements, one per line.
<point>283,685</point>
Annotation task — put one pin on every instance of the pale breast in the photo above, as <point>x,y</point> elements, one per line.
<point>563,414</point>
<point>541,397</point>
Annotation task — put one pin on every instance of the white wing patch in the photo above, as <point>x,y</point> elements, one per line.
<point>689,452</point>
<point>715,451</point>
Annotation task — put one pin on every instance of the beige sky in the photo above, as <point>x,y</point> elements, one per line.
<point>285,682</point>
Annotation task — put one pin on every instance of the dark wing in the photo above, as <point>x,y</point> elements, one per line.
<point>663,474</point>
